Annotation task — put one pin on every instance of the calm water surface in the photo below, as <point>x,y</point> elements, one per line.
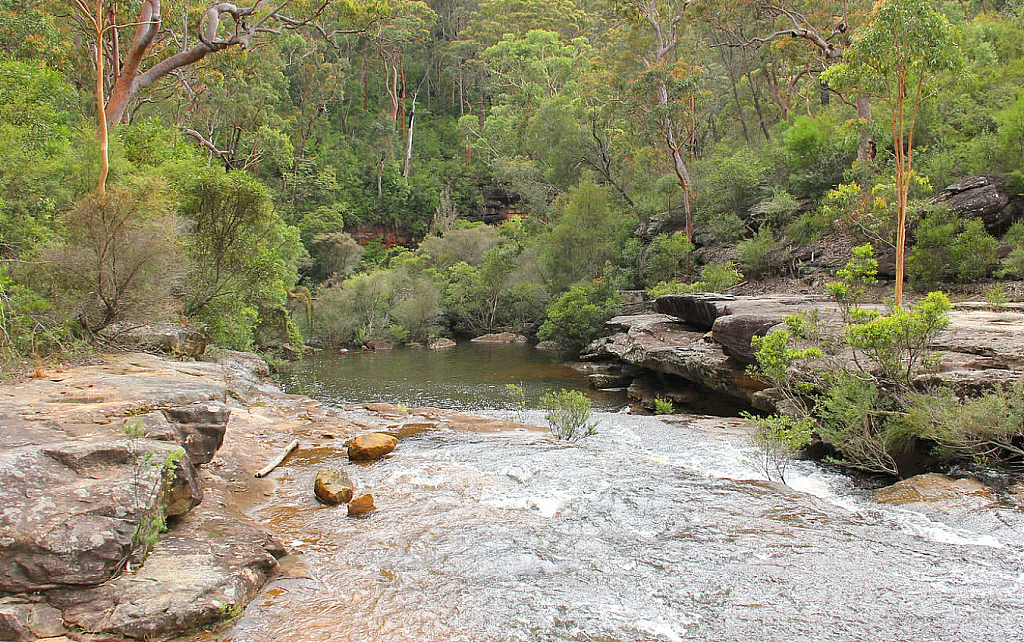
<point>470,376</point>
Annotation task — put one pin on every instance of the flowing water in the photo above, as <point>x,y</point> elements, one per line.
<point>650,530</point>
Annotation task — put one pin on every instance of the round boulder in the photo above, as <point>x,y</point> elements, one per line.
<point>333,486</point>
<point>371,446</point>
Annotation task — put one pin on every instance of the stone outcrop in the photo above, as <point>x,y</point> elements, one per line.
<point>664,344</point>
<point>442,343</point>
<point>983,197</point>
<point>333,486</point>
<point>371,446</point>
<point>92,459</point>
<point>70,511</point>
<point>175,340</point>
<point>705,339</point>
<point>500,337</point>
<point>936,492</point>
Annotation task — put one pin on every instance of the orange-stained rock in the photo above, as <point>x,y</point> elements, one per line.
<point>333,486</point>
<point>938,491</point>
<point>361,505</point>
<point>371,446</point>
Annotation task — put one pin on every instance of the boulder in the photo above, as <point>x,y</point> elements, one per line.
<point>735,332</point>
<point>985,198</point>
<point>371,446</point>
<point>548,346</point>
<point>375,344</point>
<point>333,486</point>
<point>175,340</point>
<point>500,337</point>
<point>664,345</point>
<point>440,344</point>
<point>602,380</point>
<point>202,572</point>
<point>361,505</point>
<point>69,512</point>
<point>199,428</point>
<point>936,492</point>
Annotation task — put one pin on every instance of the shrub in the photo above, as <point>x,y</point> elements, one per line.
<point>663,406</point>
<point>122,255</point>
<point>778,439</point>
<point>569,414</point>
<point>667,257</point>
<point>719,277</point>
<point>946,248</point>
<point>578,316</point>
<point>760,254</point>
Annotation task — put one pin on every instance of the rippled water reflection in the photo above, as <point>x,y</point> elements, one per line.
<point>470,376</point>
<point>648,531</point>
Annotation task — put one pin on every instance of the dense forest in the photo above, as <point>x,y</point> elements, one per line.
<point>356,171</point>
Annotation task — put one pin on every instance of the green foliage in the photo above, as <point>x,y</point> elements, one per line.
<point>568,414</point>
<point>860,271</point>
<point>996,297</point>
<point>663,406</point>
<point>667,257</point>
<point>587,232</point>
<point>760,254</point>
<point>778,439</point>
<point>947,248</point>
<point>577,317</point>
<point>714,277</point>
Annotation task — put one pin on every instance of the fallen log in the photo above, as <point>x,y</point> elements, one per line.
<point>276,461</point>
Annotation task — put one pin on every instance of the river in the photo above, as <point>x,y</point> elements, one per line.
<point>651,530</point>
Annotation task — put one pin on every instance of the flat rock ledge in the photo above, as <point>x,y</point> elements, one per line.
<point>93,459</point>
<point>704,339</point>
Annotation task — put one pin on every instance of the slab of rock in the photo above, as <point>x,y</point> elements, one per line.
<point>69,511</point>
<point>333,486</point>
<point>199,428</point>
<point>982,197</point>
<point>500,337</point>
<point>548,346</point>
<point>202,572</point>
<point>603,380</point>
<point>734,333</point>
<point>937,492</point>
<point>371,446</point>
<point>361,505</point>
<point>175,340</point>
<point>442,343</point>
<point>661,344</point>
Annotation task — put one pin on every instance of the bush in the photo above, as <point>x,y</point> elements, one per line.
<point>760,254</point>
<point>667,257</point>
<point>122,255</point>
<point>714,277</point>
<point>778,439</point>
<point>945,247</point>
<point>577,317</point>
<point>663,406</point>
<point>568,414</point>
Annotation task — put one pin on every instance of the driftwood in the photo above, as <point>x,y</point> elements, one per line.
<point>276,461</point>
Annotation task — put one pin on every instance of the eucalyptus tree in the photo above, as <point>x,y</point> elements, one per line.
<point>905,53</point>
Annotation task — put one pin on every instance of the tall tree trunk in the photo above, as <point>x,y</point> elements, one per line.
<point>408,143</point>
<point>866,149</point>
<point>101,129</point>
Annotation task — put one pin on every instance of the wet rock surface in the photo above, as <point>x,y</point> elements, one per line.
<point>333,486</point>
<point>371,446</point>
